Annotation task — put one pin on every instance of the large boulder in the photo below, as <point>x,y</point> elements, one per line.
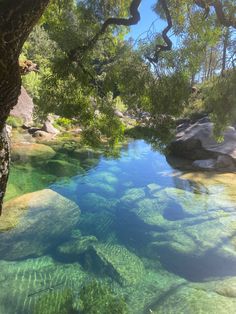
<point>197,142</point>
<point>32,224</point>
<point>31,151</point>
<point>24,108</point>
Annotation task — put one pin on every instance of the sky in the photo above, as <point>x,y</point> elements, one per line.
<point>147,18</point>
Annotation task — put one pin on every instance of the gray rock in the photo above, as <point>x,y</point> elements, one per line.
<point>24,108</point>
<point>49,128</point>
<point>224,161</point>
<point>198,142</point>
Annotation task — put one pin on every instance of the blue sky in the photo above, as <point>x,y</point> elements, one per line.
<point>147,18</point>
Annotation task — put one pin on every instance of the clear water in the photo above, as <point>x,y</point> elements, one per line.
<point>119,235</point>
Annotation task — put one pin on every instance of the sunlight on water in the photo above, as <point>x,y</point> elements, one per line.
<point>85,233</point>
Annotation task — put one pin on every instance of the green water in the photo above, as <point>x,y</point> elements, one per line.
<point>124,234</point>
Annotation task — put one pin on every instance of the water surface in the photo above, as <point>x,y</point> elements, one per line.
<point>127,234</point>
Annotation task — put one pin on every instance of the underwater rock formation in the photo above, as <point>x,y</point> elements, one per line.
<point>47,216</point>
<point>22,152</point>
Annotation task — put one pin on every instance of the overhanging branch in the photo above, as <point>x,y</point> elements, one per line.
<point>132,20</point>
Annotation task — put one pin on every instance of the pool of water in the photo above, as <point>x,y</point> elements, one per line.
<point>95,233</point>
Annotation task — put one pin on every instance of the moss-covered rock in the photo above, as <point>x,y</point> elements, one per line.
<point>94,202</point>
<point>37,220</point>
<point>73,249</point>
<point>61,168</point>
<point>39,285</point>
<point>193,299</point>
<point>22,152</point>
<point>115,261</point>
<point>132,195</point>
<point>96,297</point>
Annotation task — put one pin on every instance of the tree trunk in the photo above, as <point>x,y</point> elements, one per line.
<point>4,162</point>
<point>17,18</point>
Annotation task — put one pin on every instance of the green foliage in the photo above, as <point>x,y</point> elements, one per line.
<point>63,122</point>
<point>15,122</point>
<point>220,100</point>
<point>97,297</point>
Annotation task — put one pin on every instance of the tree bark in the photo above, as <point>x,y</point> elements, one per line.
<point>17,18</point>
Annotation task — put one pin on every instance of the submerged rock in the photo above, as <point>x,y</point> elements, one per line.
<point>23,152</point>
<point>39,285</point>
<point>194,298</point>
<point>61,168</point>
<point>37,221</point>
<point>115,261</point>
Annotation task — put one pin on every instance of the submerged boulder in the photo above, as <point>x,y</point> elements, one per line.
<point>114,261</point>
<point>37,221</point>
<point>23,152</point>
<point>194,298</point>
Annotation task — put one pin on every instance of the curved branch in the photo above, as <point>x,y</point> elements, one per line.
<point>167,40</point>
<point>132,20</point>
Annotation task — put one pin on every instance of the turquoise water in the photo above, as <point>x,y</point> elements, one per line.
<point>124,234</point>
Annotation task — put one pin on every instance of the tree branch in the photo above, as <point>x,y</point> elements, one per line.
<point>132,20</point>
<point>219,10</point>
<point>167,40</point>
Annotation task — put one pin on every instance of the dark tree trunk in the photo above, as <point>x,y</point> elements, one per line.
<point>4,162</point>
<point>17,18</point>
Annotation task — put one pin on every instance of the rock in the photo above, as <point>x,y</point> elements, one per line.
<point>30,280</point>
<point>224,161</point>
<point>49,128</point>
<point>46,217</point>
<point>197,142</point>
<point>24,108</point>
<point>192,299</point>
<point>42,135</point>
<point>132,195</point>
<point>119,114</point>
<point>73,249</point>
<point>31,151</point>
<point>32,130</point>
<point>61,168</point>
<point>114,261</point>
<point>206,164</point>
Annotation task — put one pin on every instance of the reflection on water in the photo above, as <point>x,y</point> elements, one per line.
<point>117,235</point>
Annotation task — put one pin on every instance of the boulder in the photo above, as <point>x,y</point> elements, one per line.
<point>46,217</point>
<point>197,142</point>
<point>61,168</point>
<point>31,151</point>
<point>49,128</point>
<point>224,161</point>
<point>193,298</point>
<point>42,135</point>
<point>24,108</point>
